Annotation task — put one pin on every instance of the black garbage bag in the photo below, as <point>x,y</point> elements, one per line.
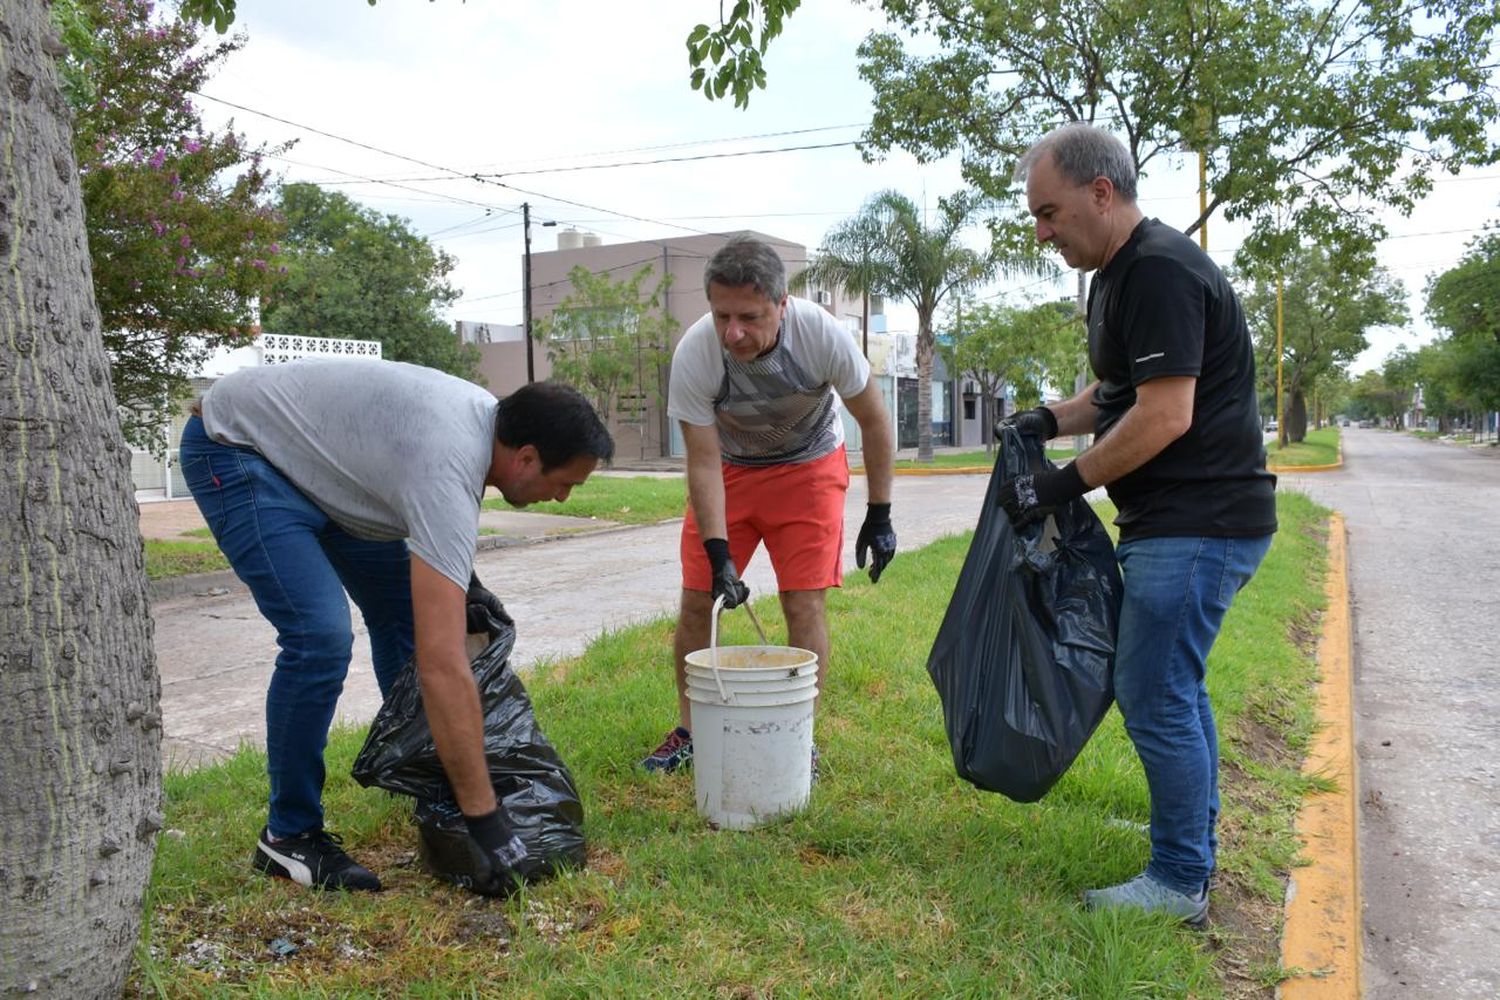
<point>534,787</point>
<point>1024,658</point>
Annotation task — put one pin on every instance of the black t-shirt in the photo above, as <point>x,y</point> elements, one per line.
<point>1161,307</point>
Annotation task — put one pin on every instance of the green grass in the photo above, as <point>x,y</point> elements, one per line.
<point>624,500</point>
<point>166,559</point>
<point>966,460</point>
<point>899,880</point>
<point>1319,447</point>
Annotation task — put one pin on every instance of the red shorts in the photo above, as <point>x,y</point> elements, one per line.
<point>798,509</point>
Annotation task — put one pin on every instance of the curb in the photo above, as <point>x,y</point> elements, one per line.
<point>1321,937</point>
<point>223,581</point>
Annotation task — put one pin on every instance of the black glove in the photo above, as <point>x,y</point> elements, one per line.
<point>508,861</point>
<point>877,537</point>
<point>482,609</point>
<point>1038,422</point>
<point>1033,496</point>
<point>727,582</point>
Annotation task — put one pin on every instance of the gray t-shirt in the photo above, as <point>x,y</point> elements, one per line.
<point>388,450</point>
<point>776,409</point>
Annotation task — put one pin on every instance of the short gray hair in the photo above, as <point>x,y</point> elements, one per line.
<point>745,260</point>
<point>1081,153</point>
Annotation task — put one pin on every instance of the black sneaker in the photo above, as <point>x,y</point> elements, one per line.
<point>675,752</point>
<point>313,859</point>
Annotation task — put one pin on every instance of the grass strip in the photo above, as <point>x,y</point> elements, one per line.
<point>898,880</point>
<point>622,499</point>
<point>1319,447</point>
<point>167,558</point>
<point>979,459</point>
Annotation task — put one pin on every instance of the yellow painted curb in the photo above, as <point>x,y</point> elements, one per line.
<point>1322,933</point>
<point>1279,469</point>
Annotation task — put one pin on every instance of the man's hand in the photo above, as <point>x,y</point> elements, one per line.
<point>727,582</point>
<point>507,859</point>
<point>1039,422</point>
<point>482,609</point>
<point>1033,496</point>
<point>877,537</point>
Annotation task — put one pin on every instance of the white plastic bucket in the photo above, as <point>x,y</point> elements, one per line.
<point>752,729</point>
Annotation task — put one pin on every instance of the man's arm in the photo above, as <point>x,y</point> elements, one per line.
<point>1162,413</point>
<point>705,479</point>
<point>1076,415</point>
<point>868,410</point>
<point>449,693</point>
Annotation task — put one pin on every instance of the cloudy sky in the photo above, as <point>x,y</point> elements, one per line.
<point>583,109</point>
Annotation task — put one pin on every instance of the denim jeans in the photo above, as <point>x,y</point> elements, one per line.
<point>298,564</point>
<point>1177,591</point>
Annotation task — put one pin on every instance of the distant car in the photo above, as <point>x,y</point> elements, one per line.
<point>1271,426</point>
<point>1343,421</point>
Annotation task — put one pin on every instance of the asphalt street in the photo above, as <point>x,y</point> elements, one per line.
<point>1424,572</point>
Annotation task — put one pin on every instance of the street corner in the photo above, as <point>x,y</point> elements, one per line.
<point>1321,938</point>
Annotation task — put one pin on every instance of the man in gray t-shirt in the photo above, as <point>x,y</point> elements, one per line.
<point>323,477</point>
<point>755,386</point>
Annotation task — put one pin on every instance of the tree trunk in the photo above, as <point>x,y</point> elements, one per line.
<point>924,388</point>
<point>80,727</point>
<point>987,419</point>
<point>1296,416</point>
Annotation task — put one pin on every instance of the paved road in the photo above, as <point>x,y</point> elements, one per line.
<point>1424,566</point>
<point>215,653</point>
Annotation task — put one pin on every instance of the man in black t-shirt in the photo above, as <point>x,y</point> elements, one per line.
<point>1177,443</point>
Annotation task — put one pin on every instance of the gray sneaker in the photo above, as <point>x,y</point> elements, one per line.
<point>1145,893</point>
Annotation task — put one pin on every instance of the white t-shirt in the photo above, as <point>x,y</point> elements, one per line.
<point>387,450</point>
<point>778,408</point>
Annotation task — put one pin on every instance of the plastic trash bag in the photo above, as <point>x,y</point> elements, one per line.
<point>1024,658</point>
<point>533,785</point>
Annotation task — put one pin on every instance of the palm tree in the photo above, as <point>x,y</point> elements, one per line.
<point>923,265</point>
<point>853,258</point>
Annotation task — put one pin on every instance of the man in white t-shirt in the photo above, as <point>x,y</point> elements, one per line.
<point>321,478</point>
<point>753,386</point>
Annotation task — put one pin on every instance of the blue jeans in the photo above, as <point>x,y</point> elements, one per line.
<point>298,565</point>
<point>1177,591</point>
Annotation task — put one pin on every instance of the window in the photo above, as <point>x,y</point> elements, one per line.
<point>968,407</point>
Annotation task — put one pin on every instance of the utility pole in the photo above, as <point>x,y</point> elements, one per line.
<point>526,288</point>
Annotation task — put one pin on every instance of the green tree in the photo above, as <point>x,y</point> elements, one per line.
<point>1024,347</point>
<point>181,235</point>
<point>1306,111</point>
<point>354,273</point>
<point>610,340</point>
<point>1327,311</point>
<point>1465,300</point>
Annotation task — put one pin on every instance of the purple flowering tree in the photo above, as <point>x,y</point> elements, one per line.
<point>182,233</point>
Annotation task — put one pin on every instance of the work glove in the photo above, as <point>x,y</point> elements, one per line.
<point>1039,422</point>
<point>506,863</point>
<point>483,609</point>
<point>1034,495</point>
<point>727,582</point>
<point>878,538</point>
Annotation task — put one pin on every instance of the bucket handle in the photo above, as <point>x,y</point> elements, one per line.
<point>713,639</point>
